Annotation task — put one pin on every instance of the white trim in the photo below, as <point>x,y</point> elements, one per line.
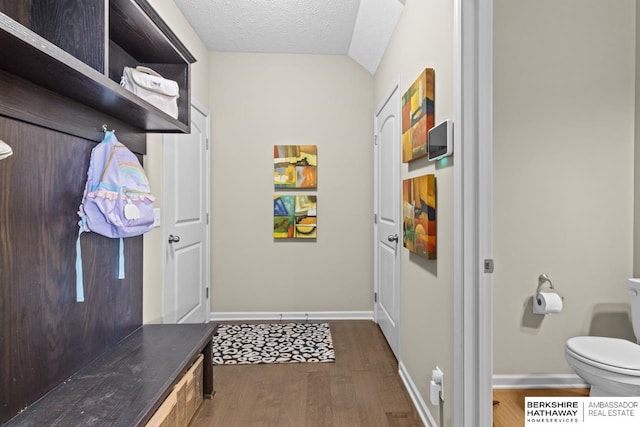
<point>484,110</point>
<point>472,213</point>
<point>416,398</point>
<point>538,381</point>
<point>291,315</point>
<point>458,308</point>
<point>195,104</point>
<point>156,321</point>
<point>205,112</point>
<point>376,286</point>
<point>209,150</point>
<point>200,107</point>
<point>395,88</point>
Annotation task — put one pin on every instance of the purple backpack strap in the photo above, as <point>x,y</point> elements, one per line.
<point>79,278</point>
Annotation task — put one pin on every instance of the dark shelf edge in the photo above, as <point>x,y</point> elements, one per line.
<point>166,30</point>
<point>29,56</point>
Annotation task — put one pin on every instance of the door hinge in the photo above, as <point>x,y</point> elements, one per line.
<point>207,293</point>
<point>375,218</point>
<point>375,139</point>
<point>207,143</point>
<point>488,266</point>
<point>207,218</point>
<point>375,297</point>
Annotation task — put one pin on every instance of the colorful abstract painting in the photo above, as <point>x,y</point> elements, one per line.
<point>294,217</point>
<point>418,115</point>
<point>295,166</point>
<point>419,215</point>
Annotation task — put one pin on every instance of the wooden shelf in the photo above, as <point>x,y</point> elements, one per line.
<point>136,27</point>
<point>32,57</point>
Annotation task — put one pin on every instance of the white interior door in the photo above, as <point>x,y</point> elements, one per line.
<point>185,204</point>
<point>388,219</point>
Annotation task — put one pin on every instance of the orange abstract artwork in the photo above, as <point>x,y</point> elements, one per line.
<point>418,116</point>
<point>295,166</point>
<point>419,215</point>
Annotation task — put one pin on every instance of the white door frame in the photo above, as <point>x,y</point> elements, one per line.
<point>207,280</point>
<point>205,112</point>
<point>376,286</point>
<point>473,199</point>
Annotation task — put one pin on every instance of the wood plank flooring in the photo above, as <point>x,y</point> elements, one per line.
<point>361,389</point>
<point>509,412</point>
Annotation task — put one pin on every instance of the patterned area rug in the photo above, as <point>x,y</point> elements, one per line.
<point>273,343</point>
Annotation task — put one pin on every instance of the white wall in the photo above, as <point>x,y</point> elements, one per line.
<point>153,260</point>
<point>636,189</point>
<point>262,100</point>
<point>423,39</point>
<point>564,88</point>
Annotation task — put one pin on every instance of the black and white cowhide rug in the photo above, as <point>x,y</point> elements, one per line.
<point>272,343</point>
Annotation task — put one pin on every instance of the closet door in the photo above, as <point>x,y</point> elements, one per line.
<point>186,225</point>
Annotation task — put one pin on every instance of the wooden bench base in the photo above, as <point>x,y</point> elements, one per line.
<point>128,384</point>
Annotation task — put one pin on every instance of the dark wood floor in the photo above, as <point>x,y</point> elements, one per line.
<point>508,410</point>
<point>362,388</point>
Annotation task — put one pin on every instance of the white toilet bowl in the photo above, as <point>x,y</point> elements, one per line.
<point>610,365</point>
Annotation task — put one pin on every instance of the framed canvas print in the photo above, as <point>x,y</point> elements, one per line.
<point>419,224</point>
<point>294,216</point>
<point>418,115</point>
<point>295,166</point>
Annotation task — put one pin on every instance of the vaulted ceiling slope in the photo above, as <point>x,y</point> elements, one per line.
<point>360,29</point>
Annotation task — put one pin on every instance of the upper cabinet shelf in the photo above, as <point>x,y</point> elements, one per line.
<point>135,26</point>
<point>79,49</point>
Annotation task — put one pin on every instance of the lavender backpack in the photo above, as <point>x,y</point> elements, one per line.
<point>117,200</point>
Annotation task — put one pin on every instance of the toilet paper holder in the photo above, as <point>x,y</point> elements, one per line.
<point>540,301</point>
<point>543,279</point>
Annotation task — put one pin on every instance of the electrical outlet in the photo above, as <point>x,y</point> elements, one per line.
<point>437,386</point>
<point>156,217</point>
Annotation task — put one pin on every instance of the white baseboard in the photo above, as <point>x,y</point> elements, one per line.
<point>155,321</point>
<point>295,315</point>
<point>538,381</point>
<point>418,402</point>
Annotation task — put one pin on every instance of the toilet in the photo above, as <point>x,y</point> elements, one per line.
<point>610,365</point>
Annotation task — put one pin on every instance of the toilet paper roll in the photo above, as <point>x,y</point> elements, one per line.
<point>547,303</point>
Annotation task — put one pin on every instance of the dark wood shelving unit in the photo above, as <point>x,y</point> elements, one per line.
<point>132,34</point>
<point>60,68</point>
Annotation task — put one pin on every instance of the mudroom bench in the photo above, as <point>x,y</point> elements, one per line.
<point>158,375</point>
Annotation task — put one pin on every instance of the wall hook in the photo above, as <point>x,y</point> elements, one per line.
<point>106,129</point>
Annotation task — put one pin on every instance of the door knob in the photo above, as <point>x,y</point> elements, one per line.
<point>173,239</point>
<point>392,237</point>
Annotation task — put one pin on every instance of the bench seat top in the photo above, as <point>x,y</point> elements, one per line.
<point>125,385</point>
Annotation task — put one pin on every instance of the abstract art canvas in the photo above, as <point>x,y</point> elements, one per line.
<point>294,217</point>
<point>419,215</point>
<point>418,115</point>
<point>295,166</point>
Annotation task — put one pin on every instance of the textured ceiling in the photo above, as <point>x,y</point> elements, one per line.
<point>358,28</point>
